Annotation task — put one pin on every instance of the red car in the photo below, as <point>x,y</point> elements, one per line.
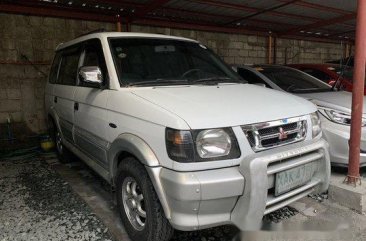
<point>329,73</point>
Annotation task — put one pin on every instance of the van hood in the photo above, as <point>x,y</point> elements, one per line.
<point>339,100</point>
<point>202,106</point>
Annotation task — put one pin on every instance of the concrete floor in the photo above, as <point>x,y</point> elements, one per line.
<point>326,220</point>
<point>37,204</point>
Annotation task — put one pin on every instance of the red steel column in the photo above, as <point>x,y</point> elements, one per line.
<point>118,24</point>
<point>357,94</point>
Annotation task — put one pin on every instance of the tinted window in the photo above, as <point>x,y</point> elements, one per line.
<point>94,57</point>
<point>318,74</point>
<point>69,67</point>
<point>140,60</point>
<point>292,80</point>
<point>344,71</point>
<point>251,77</point>
<point>54,69</point>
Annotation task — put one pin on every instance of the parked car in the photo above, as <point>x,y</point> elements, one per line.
<point>332,74</point>
<point>334,106</point>
<point>184,141</point>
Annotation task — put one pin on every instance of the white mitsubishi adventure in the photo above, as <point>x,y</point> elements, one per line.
<point>185,142</point>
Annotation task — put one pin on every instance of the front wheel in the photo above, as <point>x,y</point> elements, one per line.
<point>138,204</point>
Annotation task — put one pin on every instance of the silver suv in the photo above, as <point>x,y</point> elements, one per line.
<point>186,143</point>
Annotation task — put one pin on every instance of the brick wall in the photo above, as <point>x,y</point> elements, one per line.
<point>22,85</point>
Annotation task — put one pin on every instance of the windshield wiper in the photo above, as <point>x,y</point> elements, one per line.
<point>310,90</point>
<point>157,82</point>
<point>216,80</point>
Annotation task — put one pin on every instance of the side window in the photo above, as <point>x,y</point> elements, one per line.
<point>54,69</point>
<point>251,77</point>
<point>69,66</point>
<point>318,74</point>
<point>93,56</point>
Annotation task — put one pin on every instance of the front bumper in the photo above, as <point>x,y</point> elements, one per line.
<point>238,195</point>
<point>338,136</point>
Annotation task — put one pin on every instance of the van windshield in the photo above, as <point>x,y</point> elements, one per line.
<point>149,61</point>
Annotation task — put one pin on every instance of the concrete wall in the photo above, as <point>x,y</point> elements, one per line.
<point>22,85</point>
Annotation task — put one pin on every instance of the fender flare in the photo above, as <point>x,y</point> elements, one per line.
<point>53,114</point>
<point>137,147</point>
<point>133,145</point>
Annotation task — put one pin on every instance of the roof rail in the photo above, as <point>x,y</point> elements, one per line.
<point>99,30</point>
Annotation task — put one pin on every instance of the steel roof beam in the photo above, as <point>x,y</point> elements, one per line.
<point>267,10</point>
<point>320,24</point>
<point>151,6</point>
<point>251,9</point>
<point>318,7</point>
<point>61,13</point>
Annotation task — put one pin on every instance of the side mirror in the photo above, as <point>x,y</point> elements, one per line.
<point>331,82</point>
<point>91,75</point>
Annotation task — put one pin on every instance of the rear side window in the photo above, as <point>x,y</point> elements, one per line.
<point>54,69</point>
<point>69,66</point>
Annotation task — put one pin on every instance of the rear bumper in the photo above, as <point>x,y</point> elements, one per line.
<point>238,195</point>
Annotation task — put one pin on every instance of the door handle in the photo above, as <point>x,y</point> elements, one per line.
<point>76,106</point>
<point>55,99</point>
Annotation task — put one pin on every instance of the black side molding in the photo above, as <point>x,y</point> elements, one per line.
<point>112,125</point>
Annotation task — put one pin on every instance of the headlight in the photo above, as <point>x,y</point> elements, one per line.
<point>201,145</point>
<point>340,117</point>
<point>213,143</point>
<point>315,123</point>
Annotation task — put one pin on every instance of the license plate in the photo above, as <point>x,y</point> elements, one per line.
<point>293,178</point>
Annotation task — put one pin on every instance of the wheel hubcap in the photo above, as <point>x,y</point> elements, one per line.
<point>59,142</point>
<point>133,203</point>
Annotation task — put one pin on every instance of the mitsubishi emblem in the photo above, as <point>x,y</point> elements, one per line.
<point>282,134</point>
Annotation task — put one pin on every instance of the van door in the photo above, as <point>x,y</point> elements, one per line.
<point>64,91</point>
<point>91,114</point>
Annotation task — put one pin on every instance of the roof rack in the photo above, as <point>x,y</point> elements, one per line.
<point>99,30</point>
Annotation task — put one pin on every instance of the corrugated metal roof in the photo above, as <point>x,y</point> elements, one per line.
<point>312,18</point>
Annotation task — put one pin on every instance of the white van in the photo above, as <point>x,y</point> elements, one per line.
<point>186,143</point>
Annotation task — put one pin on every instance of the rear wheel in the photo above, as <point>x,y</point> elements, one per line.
<point>138,204</point>
<point>63,154</point>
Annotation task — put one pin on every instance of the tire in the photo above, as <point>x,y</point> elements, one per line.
<point>63,154</point>
<point>132,182</point>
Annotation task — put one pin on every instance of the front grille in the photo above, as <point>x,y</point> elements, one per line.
<point>263,136</point>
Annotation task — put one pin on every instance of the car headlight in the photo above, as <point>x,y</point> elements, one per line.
<point>340,117</point>
<point>213,143</point>
<point>202,145</point>
<point>315,123</point>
